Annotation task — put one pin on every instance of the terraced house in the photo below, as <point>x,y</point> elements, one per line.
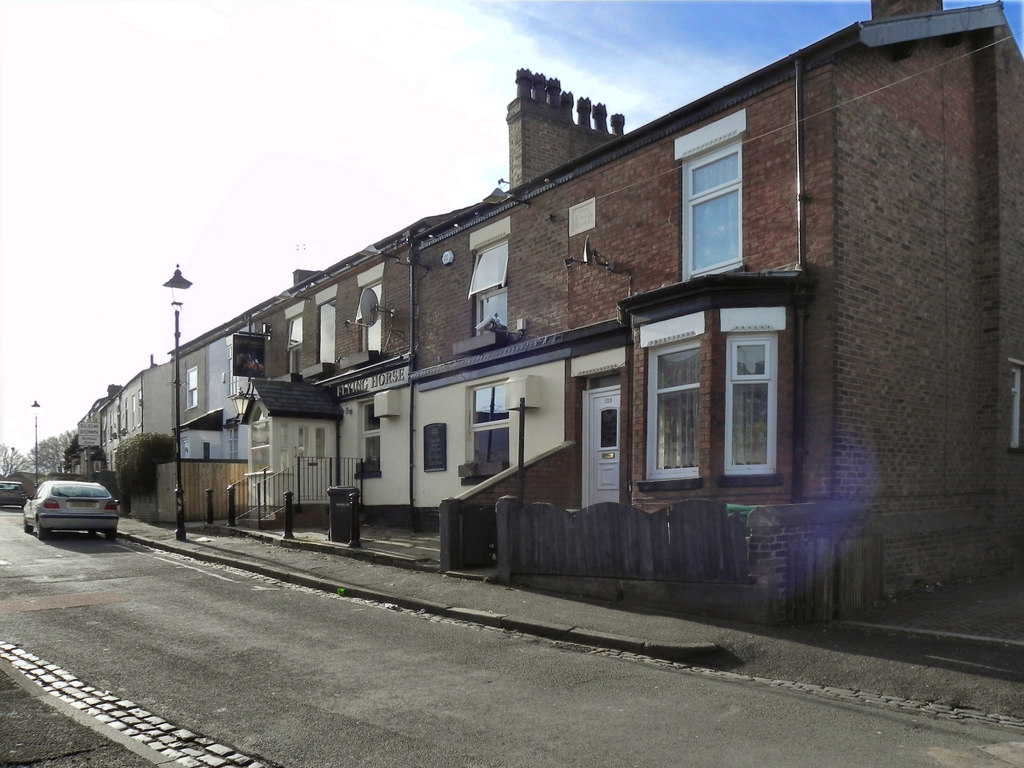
<point>800,295</point>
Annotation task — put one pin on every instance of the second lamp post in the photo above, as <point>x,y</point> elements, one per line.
<point>180,283</point>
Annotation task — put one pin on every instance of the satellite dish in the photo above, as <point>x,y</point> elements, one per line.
<point>369,312</point>
<point>588,252</point>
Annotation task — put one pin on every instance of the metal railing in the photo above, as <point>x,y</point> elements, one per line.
<point>307,480</point>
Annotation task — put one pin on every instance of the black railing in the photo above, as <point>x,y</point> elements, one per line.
<point>307,479</point>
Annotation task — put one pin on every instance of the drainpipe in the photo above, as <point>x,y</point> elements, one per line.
<point>414,518</point>
<point>800,303</point>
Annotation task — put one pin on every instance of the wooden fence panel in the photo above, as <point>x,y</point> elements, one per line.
<point>692,541</point>
<point>196,476</point>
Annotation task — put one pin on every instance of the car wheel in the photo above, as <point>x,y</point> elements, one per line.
<point>110,534</point>
<point>41,532</point>
<point>29,528</point>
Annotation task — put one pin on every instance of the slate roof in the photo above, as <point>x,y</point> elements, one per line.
<point>297,399</point>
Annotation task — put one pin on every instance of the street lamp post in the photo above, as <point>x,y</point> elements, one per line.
<point>179,282</point>
<point>35,404</point>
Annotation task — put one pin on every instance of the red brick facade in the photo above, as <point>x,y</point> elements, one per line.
<point>882,195</point>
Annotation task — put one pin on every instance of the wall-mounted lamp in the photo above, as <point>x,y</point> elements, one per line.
<point>241,400</point>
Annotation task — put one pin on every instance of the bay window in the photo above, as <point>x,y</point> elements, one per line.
<point>750,405</point>
<point>673,411</point>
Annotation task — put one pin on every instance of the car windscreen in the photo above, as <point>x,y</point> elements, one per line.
<point>10,486</point>
<point>79,492</point>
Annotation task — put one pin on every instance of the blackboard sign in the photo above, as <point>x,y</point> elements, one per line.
<point>435,448</point>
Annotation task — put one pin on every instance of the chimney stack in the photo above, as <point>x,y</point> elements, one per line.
<point>541,132</point>
<point>886,9</point>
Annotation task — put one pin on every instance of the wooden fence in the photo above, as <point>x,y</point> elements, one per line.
<point>196,476</point>
<point>692,541</point>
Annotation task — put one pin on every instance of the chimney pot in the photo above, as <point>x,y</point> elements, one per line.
<point>583,112</point>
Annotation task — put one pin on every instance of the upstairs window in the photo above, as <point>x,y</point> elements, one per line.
<point>295,345</point>
<point>192,388</point>
<point>488,290</point>
<point>713,229</point>
<point>326,332</point>
<point>372,331</point>
<point>712,181</point>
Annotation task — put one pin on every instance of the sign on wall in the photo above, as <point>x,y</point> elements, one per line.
<point>435,448</point>
<point>249,355</point>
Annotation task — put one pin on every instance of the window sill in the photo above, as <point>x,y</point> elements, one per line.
<point>750,481</point>
<point>675,484</point>
<point>478,343</point>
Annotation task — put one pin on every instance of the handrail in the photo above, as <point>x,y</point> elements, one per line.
<point>308,480</point>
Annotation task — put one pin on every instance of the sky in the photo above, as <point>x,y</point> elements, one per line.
<point>244,139</point>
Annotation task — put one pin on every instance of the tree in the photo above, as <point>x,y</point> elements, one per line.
<point>137,458</point>
<point>12,460</point>
<point>52,453</point>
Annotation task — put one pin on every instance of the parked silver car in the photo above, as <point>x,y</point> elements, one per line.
<point>71,505</point>
<point>12,494</point>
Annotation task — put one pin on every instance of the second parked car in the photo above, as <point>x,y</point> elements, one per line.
<point>12,494</point>
<point>71,505</point>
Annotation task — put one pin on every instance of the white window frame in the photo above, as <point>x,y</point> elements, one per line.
<point>476,428</point>
<point>326,331</point>
<point>231,432</point>
<point>295,344</point>
<point>1016,383</point>
<point>655,353</point>
<point>488,285</point>
<point>371,426</point>
<point>691,200</point>
<point>768,377</point>
<point>192,387</point>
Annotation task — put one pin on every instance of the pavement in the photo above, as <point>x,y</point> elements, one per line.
<point>954,651</point>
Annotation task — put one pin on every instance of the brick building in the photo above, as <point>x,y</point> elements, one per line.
<point>800,290</point>
<point>803,292</point>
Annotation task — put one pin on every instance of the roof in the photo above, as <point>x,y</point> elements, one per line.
<point>210,421</point>
<point>296,399</point>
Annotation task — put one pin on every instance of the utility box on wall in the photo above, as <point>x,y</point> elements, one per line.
<point>529,387</point>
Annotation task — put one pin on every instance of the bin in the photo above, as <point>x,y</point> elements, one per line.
<point>344,515</point>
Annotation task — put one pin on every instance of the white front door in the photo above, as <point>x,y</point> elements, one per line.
<point>601,446</point>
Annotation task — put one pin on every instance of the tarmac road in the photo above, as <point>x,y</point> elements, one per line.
<point>925,656</point>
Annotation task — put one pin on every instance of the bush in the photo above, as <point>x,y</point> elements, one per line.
<point>137,458</point>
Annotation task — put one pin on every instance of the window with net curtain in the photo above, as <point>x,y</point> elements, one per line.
<point>750,405</point>
<point>675,384</point>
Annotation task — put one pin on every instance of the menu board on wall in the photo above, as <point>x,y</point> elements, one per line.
<point>435,448</point>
